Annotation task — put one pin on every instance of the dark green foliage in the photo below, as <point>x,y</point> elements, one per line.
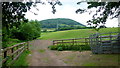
<point>10,42</point>
<point>70,47</point>
<point>104,10</point>
<point>53,3</point>
<point>53,47</point>
<point>59,48</point>
<point>27,31</point>
<point>62,22</point>
<point>12,14</point>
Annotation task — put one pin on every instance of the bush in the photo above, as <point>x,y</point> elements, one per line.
<point>60,49</point>
<point>26,31</point>
<point>70,47</point>
<point>53,47</point>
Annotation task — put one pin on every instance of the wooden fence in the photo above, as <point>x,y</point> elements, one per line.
<point>76,41</point>
<point>105,42</point>
<point>99,43</point>
<point>10,54</point>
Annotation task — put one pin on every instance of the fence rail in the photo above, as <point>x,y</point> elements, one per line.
<point>74,41</point>
<point>84,40</point>
<point>10,54</point>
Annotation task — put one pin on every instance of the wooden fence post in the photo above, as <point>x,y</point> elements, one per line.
<point>73,41</point>
<point>86,42</point>
<point>5,55</point>
<point>111,41</point>
<point>27,45</point>
<point>12,50</point>
<point>62,41</point>
<point>17,48</point>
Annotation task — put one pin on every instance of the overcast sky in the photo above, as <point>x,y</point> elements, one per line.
<point>67,10</point>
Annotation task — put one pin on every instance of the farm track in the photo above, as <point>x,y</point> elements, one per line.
<point>42,56</point>
<point>45,58</point>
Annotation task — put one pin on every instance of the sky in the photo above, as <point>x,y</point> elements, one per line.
<point>67,10</point>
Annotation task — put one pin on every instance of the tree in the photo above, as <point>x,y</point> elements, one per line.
<point>54,3</point>
<point>13,13</point>
<point>104,10</point>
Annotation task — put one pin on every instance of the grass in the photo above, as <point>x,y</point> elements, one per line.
<point>90,64</point>
<point>86,58</point>
<point>12,42</point>
<point>101,59</point>
<point>21,61</point>
<point>42,50</point>
<point>78,33</point>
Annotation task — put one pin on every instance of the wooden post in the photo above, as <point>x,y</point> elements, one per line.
<point>17,48</point>
<point>73,41</point>
<point>100,43</point>
<point>5,55</point>
<point>86,41</point>
<point>62,41</point>
<point>27,45</point>
<point>12,50</point>
<point>111,42</point>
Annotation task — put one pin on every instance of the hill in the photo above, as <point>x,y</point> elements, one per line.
<point>78,33</point>
<point>60,22</point>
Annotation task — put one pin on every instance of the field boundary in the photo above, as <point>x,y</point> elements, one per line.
<point>99,42</point>
<point>10,54</point>
<point>76,40</point>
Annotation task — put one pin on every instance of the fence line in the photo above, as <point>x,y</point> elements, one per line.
<point>98,42</point>
<point>73,41</point>
<point>55,42</point>
<point>13,52</point>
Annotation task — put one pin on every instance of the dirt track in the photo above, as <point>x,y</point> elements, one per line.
<point>42,56</point>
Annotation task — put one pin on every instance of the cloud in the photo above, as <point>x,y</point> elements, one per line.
<point>67,10</point>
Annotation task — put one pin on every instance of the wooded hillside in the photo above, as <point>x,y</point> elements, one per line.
<point>62,22</point>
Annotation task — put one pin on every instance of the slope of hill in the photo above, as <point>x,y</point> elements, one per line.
<point>78,33</point>
<point>60,22</point>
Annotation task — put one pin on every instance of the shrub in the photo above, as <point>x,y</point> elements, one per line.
<point>26,31</point>
<point>60,49</point>
<point>69,47</point>
<point>53,47</point>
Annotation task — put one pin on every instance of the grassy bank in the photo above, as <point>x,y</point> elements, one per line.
<point>78,33</point>
<point>21,61</point>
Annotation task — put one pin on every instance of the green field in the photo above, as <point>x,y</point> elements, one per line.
<point>78,33</point>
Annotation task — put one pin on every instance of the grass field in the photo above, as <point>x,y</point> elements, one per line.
<point>78,33</point>
<point>86,58</point>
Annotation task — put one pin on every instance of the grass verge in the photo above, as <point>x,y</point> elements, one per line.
<point>22,60</point>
